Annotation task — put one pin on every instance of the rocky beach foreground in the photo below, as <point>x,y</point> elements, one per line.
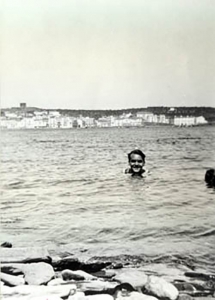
<point>33,274</point>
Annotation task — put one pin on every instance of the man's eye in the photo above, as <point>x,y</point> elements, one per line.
<point>139,161</point>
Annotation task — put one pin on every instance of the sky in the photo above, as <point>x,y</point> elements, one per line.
<point>107,54</point>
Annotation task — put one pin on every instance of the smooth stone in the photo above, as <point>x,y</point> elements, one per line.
<point>38,273</point>
<point>160,288</point>
<point>76,275</point>
<point>24,255</point>
<point>11,280</point>
<point>137,278</point>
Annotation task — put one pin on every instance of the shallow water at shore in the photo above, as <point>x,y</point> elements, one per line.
<point>66,189</point>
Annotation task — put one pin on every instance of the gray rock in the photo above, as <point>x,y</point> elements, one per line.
<point>160,288</point>
<point>6,245</point>
<point>38,273</point>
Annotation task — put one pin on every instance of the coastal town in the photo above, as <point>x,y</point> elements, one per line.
<point>23,117</point>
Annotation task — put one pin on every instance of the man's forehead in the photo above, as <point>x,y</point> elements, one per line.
<point>134,155</point>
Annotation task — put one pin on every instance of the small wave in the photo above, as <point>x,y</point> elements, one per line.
<point>206,233</point>
<point>15,183</point>
<point>51,141</point>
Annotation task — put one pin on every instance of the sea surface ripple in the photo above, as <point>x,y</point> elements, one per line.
<point>67,189</point>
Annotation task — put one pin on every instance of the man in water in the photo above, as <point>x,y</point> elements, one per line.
<point>136,160</point>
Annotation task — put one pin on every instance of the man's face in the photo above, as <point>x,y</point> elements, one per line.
<point>136,163</point>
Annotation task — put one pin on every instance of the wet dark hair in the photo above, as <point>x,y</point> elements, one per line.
<point>210,177</point>
<point>136,151</point>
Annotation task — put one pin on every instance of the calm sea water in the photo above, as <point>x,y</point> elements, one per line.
<point>66,189</point>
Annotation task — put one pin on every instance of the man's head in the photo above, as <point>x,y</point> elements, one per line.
<point>210,177</point>
<point>136,159</point>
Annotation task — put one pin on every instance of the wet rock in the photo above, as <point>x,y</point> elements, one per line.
<point>160,288</point>
<point>76,275</point>
<point>73,263</point>
<point>24,255</point>
<point>202,276</point>
<point>70,262</point>
<point>185,287</point>
<point>6,245</point>
<point>11,280</point>
<point>92,267</point>
<point>11,268</point>
<point>137,278</point>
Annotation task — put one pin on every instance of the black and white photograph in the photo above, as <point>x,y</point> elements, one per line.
<point>107,127</point>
